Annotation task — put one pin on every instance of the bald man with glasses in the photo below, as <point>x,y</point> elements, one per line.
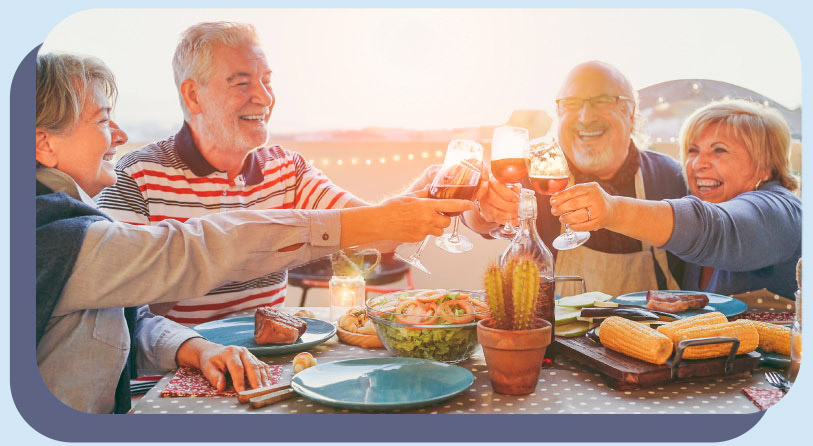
<point>597,111</point>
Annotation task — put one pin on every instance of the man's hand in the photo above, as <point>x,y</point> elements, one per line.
<point>498,203</point>
<point>215,360</point>
<point>405,218</point>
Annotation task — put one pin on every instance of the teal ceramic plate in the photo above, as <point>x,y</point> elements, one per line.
<point>382,383</point>
<point>729,306</point>
<point>240,331</point>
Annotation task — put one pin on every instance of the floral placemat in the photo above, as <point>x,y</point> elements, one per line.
<point>763,398</point>
<point>191,382</point>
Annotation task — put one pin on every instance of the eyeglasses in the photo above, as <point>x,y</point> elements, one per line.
<point>599,103</point>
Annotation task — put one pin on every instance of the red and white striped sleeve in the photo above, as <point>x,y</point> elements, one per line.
<point>314,190</point>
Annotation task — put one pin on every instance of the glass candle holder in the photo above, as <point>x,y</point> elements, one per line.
<point>345,292</point>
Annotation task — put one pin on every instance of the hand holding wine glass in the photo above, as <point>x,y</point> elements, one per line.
<point>549,174</point>
<point>508,148</point>
<point>458,177</point>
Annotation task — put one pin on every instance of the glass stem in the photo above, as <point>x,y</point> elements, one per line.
<point>420,249</point>
<point>454,238</point>
<point>568,232</point>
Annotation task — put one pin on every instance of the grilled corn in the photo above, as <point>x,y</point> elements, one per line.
<point>689,322</point>
<point>743,330</point>
<point>635,339</point>
<point>773,338</point>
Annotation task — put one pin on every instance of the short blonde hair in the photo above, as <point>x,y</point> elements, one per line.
<point>193,55</point>
<point>761,128</point>
<point>63,83</point>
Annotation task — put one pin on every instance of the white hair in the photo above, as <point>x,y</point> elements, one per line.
<point>193,55</point>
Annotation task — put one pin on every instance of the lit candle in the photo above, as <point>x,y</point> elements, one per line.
<point>345,292</point>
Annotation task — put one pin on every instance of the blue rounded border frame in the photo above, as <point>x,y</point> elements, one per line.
<point>51,418</point>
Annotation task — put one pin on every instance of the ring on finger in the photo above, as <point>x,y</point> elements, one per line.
<point>588,214</point>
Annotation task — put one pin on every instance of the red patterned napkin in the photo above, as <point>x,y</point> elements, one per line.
<point>780,318</point>
<point>763,398</point>
<point>191,382</point>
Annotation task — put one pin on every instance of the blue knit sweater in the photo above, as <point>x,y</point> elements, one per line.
<point>753,240</point>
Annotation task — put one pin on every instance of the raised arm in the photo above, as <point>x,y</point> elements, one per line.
<point>648,221</point>
<point>121,265</point>
<point>751,231</point>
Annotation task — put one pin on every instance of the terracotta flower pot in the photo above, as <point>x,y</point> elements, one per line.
<point>514,357</point>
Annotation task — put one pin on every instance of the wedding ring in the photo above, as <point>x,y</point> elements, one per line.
<point>588,214</point>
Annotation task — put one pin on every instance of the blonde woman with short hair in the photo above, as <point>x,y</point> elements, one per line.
<point>741,229</point>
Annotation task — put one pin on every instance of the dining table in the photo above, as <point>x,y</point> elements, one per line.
<point>565,387</point>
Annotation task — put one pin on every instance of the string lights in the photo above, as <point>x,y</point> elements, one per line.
<point>325,162</point>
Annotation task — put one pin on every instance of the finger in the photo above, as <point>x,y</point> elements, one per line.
<point>503,191</point>
<point>422,193</point>
<point>574,191</point>
<point>579,217</point>
<point>265,374</point>
<point>441,221</point>
<point>215,376</point>
<point>498,204</point>
<point>252,368</point>
<point>453,205</point>
<point>584,227</point>
<point>235,366</point>
<point>573,204</point>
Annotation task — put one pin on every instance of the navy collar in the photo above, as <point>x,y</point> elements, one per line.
<point>190,154</point>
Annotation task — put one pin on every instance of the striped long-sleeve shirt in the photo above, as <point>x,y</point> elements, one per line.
<point>171,179</point>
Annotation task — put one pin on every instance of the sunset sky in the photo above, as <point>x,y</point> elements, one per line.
<point>430,69</point>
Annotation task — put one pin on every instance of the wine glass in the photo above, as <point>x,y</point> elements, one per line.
<point>549,174</point>
<point>457,178</point>
<point>508,148</point>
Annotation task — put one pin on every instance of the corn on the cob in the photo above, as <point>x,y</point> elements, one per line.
<point>773,338</point>
<point>634,339</point>
<point>744,330</point>
<point>689,322</point>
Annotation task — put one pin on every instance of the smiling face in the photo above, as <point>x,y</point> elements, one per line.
<point>596,141</point>
<point>234,105</point>
<point>719,167</point>
<point>85,152</point>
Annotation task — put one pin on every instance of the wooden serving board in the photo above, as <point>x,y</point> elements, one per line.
<point>623,372</point>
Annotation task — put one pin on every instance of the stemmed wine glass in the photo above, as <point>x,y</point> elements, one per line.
<point>458,178</point>
<point>508,148</point>
<point>549,174</point>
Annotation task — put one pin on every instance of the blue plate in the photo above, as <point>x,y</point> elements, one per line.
<point>729,306</point>
<point>240,331</point>
<point>382,383</point>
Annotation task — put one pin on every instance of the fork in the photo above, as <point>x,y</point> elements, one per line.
<point>777,380</point>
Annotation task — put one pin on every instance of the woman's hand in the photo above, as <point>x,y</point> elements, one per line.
<point>584,207</point>
<point>215,361</point>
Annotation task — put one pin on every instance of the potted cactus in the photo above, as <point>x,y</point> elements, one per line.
<point>514,340</point>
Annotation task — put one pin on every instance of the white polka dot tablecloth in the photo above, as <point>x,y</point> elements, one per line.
<point>567,387</point>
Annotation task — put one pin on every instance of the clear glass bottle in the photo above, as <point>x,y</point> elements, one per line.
<point>528,243</point>
<point>796,340</point>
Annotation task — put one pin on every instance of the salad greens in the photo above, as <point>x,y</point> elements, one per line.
<point>435,324</point>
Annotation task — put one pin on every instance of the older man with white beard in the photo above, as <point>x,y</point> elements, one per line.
<point>596,107</point>
<point>219,162</point>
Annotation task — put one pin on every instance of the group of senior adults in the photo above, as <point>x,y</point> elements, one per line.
<point>174,244</point>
